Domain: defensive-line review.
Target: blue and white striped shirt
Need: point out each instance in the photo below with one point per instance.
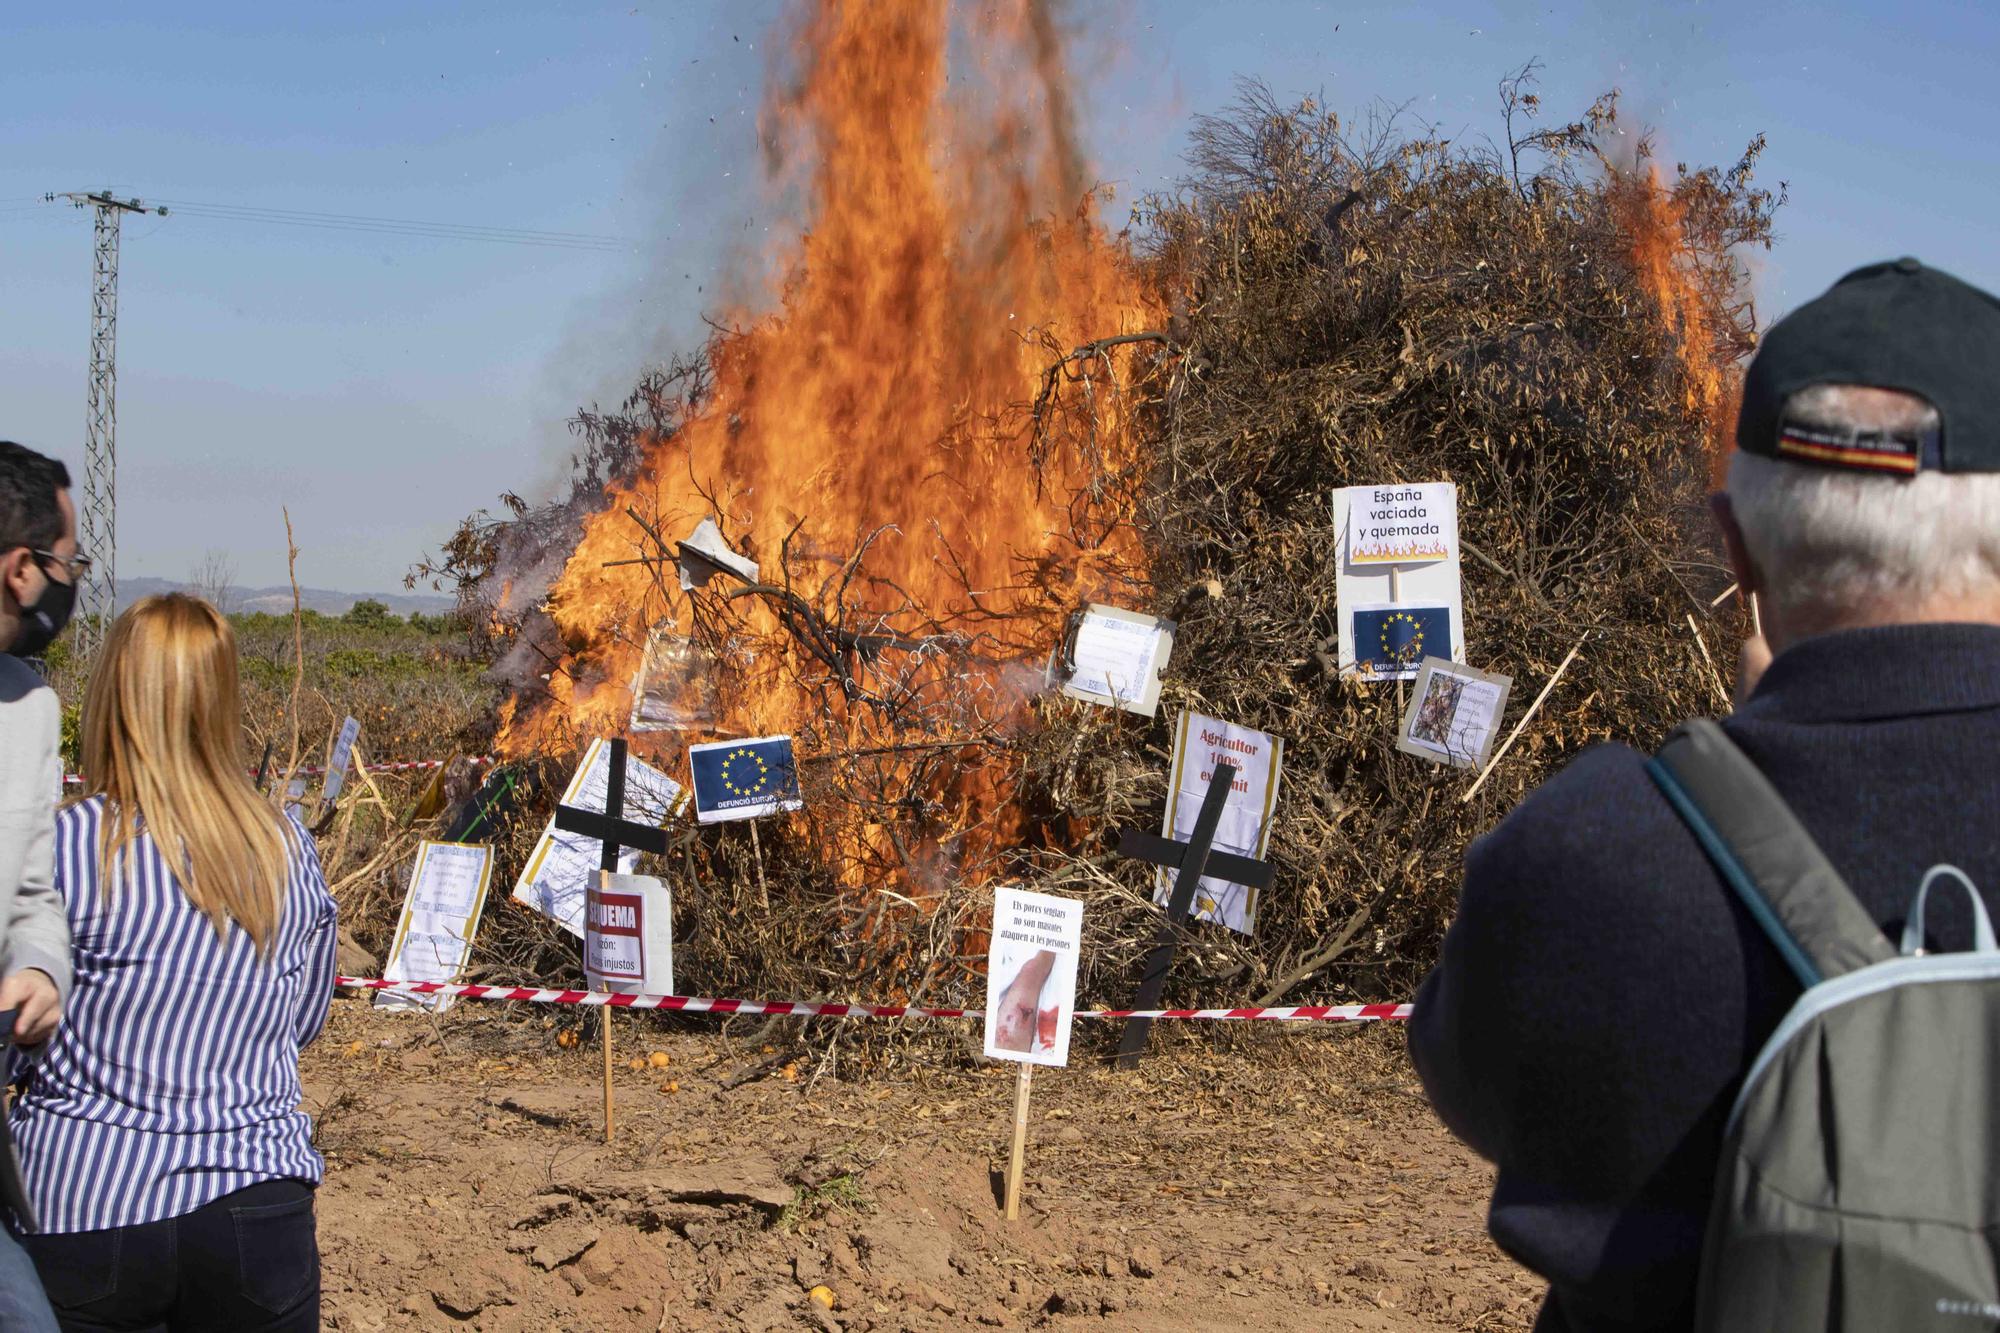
(174, 1078)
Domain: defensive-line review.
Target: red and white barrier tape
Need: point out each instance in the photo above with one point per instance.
(1297, 1013)
(314, 770)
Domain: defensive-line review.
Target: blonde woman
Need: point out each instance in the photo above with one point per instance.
(168, 1164)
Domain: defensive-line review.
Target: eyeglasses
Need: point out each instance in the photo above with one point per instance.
(77, 566)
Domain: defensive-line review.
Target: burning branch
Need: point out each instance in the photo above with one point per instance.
(1074, 368)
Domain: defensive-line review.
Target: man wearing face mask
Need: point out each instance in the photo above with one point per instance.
(39, 567)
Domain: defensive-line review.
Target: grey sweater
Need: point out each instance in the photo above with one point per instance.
(34, 932)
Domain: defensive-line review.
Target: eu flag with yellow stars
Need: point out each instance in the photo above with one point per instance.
(744, 779)
(1391, 640)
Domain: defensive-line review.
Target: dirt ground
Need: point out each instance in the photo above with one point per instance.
(1254, 1179)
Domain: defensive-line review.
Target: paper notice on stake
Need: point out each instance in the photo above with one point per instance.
(1117, 658)
(336, 767)
(1453, 713)
(1200, 742)
(448, 887)
(1385, 566)
(628, 942)
(564, 866)
(1402, 525)
(744, 779)
(1031, 976)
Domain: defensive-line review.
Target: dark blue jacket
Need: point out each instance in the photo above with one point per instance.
(1602, 991)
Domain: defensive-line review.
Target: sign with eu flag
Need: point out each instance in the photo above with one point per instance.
(744, 779)
(1391, 639)
(1397, 571)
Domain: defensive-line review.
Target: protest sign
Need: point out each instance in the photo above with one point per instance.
(1397, 571)
(441, 911)
(1116, 659)
(628, 942)
(563, 867)
(1189, 861)
(1031, 976)
(1030, 998)
(1201, 742)
(1454, 713)
(1402, 525)
(744, 779)
(336, 765)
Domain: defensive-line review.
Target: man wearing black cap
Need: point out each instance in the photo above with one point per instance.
(1602, 992)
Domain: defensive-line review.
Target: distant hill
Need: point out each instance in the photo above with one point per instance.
(278, 601)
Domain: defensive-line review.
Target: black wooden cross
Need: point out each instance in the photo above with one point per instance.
(1191, 860)
(611, 826)
(506, 788)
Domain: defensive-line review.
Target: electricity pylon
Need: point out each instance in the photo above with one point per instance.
(97, 599)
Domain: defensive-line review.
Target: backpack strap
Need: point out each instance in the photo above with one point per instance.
(1784, 879)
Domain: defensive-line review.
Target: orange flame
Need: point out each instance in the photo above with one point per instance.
(952, 255)
(1655, 223)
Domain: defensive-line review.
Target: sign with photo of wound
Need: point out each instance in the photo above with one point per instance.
(1031, 976)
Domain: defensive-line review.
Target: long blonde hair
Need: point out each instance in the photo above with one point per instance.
(163, 743)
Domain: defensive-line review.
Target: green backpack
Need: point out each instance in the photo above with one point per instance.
(1859, 1183)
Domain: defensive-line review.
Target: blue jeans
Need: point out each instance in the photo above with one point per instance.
(23, 1308)
(246, 1263)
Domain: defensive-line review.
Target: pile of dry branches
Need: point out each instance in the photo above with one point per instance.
(1398, 308)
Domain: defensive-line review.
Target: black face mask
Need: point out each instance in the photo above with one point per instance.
(44, 620)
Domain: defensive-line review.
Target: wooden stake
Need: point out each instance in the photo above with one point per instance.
(1018, 1160)
(605, 1029)
(1395, 595)
(757, 851)
(1526, 718)
(1715, 677)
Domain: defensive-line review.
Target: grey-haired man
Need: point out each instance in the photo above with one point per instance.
(1602, 992)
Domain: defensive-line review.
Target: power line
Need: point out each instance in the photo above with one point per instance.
(406, 232)
(409, 222)
(409, 227)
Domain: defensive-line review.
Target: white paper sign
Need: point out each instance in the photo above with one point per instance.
(1365, 577)
(564, 866)
(1117, 659)
(447, 891)
(628, 942)
(1200, 742)
(1454, 714)
(1031, 976)
(336, 767)
(1402, 525)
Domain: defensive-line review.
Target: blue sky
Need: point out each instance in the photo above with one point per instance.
(382, 386)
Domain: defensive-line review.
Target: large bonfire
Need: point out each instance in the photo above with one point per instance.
(972, 409)
(874, 444)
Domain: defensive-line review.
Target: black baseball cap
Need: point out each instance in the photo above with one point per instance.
(1893, 325)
